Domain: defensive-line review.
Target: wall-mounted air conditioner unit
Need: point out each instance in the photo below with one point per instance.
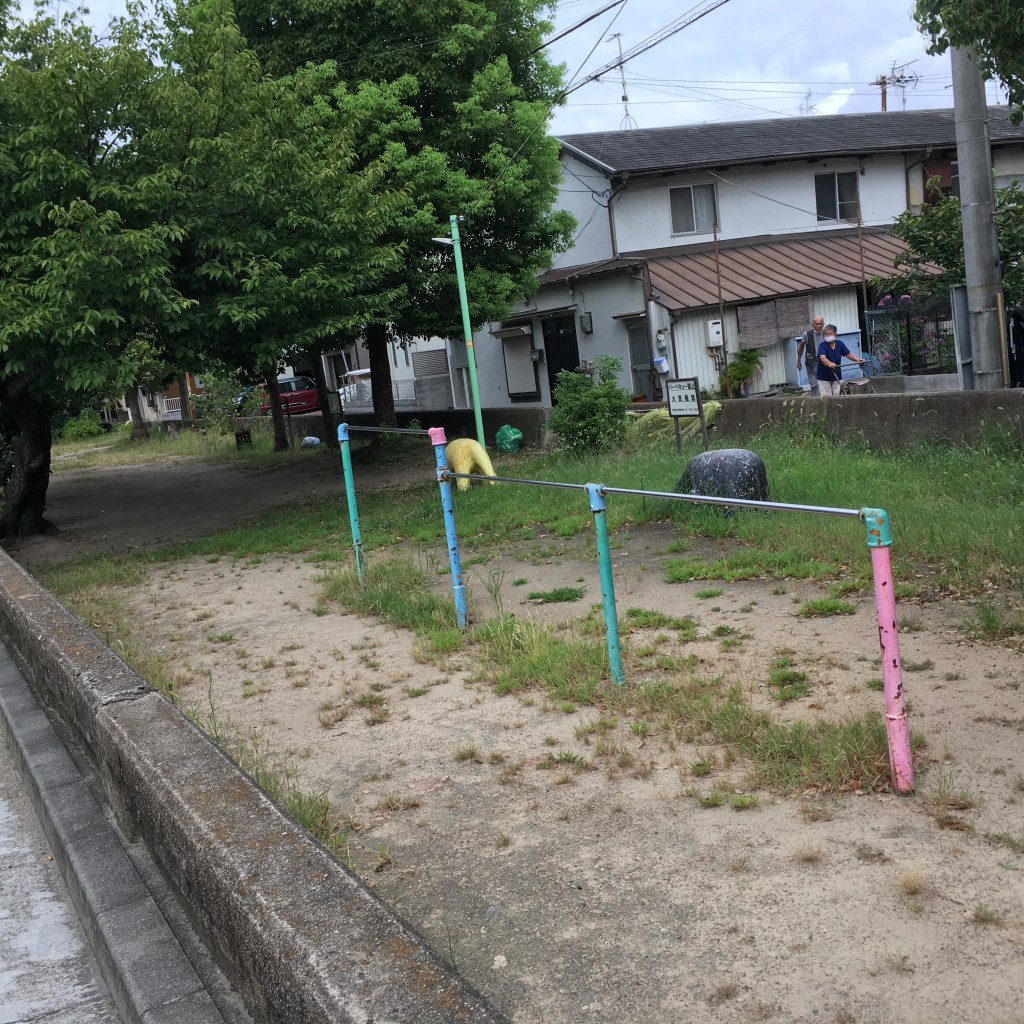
(714, 328)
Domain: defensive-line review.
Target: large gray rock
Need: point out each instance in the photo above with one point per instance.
(726, 473)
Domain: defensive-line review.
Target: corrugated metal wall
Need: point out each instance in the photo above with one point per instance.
(837, 305)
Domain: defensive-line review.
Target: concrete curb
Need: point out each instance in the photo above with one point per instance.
(149, 978)
(301, 938)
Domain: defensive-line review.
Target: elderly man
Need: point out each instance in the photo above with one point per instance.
(807, 352)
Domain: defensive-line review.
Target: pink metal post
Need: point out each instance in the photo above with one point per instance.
(901, 762)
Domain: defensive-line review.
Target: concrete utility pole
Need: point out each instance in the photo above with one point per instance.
(977, 214)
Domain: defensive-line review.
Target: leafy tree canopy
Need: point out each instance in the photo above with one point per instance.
(155, 184)
(469, 97)
(934, 259)
(993, 29)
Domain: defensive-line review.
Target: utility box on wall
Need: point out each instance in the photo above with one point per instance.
(714, 328)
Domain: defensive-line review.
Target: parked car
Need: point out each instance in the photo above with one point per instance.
(298, 394)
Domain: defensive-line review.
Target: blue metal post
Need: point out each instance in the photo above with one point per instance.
(604, 564)
(350, 497)
(437, 439)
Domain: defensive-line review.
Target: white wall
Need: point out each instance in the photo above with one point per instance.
(583, 193)
(1008, 165)
(693, 358)
(756, 201)
(602, 297)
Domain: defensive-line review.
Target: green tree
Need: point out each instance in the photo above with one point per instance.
(934, 258)
(993, 29)
(466, 98)
(153, 183)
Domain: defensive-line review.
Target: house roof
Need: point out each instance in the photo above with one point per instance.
(693, 146)
(779, 267)
(686, 278)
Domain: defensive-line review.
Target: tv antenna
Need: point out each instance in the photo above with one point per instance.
(627, 117)
(807, 107)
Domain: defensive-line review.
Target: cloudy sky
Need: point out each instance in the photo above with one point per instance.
(747, 59)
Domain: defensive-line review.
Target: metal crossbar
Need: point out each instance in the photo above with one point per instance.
(698, 499)
(387, 430)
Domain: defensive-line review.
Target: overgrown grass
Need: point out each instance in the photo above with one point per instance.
(928, 491)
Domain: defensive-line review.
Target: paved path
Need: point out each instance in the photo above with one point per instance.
(47, 973)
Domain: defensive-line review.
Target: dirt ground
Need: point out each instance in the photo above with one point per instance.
(603, 891)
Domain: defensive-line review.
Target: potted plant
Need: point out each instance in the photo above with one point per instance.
(736, 377)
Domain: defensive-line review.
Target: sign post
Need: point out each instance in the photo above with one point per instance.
(684, 400)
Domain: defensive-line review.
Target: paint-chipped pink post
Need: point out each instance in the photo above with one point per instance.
(901, 763)
(436, 435)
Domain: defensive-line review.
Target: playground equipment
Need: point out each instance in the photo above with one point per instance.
(879, 541)
(466, 456)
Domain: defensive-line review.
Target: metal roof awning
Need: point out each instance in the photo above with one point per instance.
(513, 331)
(766, 269)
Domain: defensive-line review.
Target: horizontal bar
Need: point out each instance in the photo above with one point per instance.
(700, 499)
(387, 430)
(513, 480)
(705, 499)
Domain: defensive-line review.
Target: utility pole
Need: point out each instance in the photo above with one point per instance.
(977, 214)
(883, 82)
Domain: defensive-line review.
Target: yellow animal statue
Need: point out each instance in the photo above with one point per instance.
(466, 456)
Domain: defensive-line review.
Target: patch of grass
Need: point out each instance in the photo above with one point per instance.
(992, 623)
(984, 915)
(708, 593)
(563, 757)
(703, 765)
(875, 684)
(913, 881)
(556, 596)
(825, 606)
(468, 752)
(744, 802)
(394, 802)
(713, 799)
(918, 666)
(789, 683)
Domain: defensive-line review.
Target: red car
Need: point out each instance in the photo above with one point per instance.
(298, 394)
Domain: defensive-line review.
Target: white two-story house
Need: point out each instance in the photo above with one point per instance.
(696, 241)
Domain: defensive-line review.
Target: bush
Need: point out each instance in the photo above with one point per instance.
(85, 425)
(590, 414)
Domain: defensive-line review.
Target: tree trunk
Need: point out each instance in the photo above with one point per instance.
(140, 428)
(380, 376)
(25, 493)
(277, 413)
(330, 428)
(186, 405)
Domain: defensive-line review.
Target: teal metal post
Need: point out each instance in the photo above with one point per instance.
(595, 492)
(437, 439)
(467, 329)
(901, 761)
(350, 498)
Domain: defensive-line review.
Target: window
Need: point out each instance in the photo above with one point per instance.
(836, 196)
(693, 208)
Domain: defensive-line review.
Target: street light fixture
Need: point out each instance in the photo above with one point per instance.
(467, 328)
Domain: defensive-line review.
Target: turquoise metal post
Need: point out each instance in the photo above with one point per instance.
(467, 329)
(437, 439)
(595, 492)
(901, 762)
(350, 498)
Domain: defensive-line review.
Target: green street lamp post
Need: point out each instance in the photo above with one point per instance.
(467, 328)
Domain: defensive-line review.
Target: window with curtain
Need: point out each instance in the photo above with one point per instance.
(694, 208)
(836, 196)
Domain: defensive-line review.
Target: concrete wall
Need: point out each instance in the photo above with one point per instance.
(303, 941)
(885, 421)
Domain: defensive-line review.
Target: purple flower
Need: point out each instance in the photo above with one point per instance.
(906, 300)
